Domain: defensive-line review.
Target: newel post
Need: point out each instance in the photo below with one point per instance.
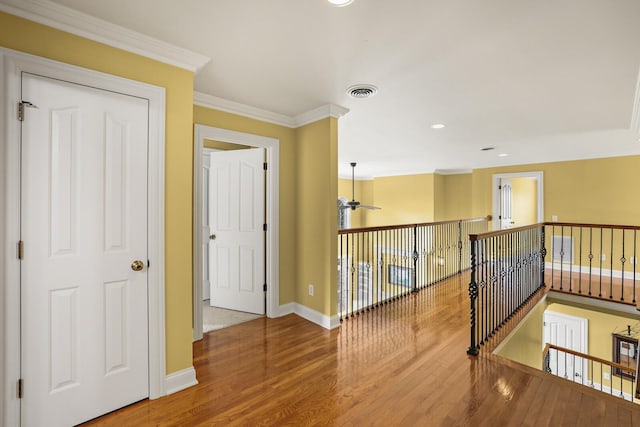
(473, 295)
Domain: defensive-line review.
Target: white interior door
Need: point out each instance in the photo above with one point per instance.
(506, 204)
(84, 324)
(569, 332)
(206, 283)
(236, 209)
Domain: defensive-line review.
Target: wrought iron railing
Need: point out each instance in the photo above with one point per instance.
(379, 264)
(609, 377)
(594, 260)
(507, 269)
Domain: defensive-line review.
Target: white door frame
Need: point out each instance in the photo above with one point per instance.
(538, 176)
(12, 65)
(584, 332)
(272, 148)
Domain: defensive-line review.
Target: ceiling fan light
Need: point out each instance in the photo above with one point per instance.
(340, 3)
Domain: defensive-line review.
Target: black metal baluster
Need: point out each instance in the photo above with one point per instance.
(600, 272)
(623, 260)
(611, 268)
(580, 264)
(635, 261)
(473, 296)
(590, 257)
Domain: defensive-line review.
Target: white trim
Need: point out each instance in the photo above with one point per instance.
(453, 171)
(216, 103)
(286, 309)
(210, 101)
(316, 317)
(180, 380)
(272, 148)
(13, 64)
(595, 271)
(582, 299)
(81, 24)
(329, 110)
(538, 176)
(607, 390)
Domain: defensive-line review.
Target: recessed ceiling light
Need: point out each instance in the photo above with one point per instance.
(502, 155)
(437, 126)
(340, 3)
(362, 91)
(487, 148)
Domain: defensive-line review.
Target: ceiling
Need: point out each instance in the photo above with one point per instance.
(537, 80)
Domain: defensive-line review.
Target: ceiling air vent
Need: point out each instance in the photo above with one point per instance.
(362, 91)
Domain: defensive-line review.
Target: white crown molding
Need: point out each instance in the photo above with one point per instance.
(452, 171)
(329, 110)
(69, 20)
(210, 101)
(217, 103)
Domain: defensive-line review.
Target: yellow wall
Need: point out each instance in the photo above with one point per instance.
(288, 178)
(317, 193)
(36, 39)
(591, 191)
(525, 343)
(525, 201)
(221, 145)
(406, 199)
(455, 201)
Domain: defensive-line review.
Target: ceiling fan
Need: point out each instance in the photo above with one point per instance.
(354, 204)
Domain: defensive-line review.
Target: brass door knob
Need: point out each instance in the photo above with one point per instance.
(137, 265)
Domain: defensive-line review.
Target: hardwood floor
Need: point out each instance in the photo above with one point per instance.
(403, 364)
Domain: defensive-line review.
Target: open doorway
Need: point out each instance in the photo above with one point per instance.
(267, 151)
(518, 199)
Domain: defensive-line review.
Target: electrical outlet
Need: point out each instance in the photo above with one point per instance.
(603, 257)
(606, 375)
(310, 290)
(554, 218)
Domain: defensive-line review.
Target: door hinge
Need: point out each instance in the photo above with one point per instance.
(19, 386)
(264, 165)
(264, 227)
(148, 263)
(20, 249)
(264, 287)
(499, 187)
(21, 106)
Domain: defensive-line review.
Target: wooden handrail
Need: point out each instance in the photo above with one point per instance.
(586, 356)
(487, 235)
(402, 226)
(577, 224)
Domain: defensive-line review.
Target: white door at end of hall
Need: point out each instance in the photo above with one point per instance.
(236, 209)
(568, 332)
(506, 204)
(84, 325)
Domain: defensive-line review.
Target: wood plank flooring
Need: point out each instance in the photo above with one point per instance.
(403, 364)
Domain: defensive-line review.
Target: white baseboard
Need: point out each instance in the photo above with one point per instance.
(310, 315)
(286, 309)
(180, 380)
(595, 271)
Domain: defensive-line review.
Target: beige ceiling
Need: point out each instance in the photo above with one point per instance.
(538, 80)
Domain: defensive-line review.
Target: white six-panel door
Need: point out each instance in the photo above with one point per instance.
(84, 330)
(236, 209)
